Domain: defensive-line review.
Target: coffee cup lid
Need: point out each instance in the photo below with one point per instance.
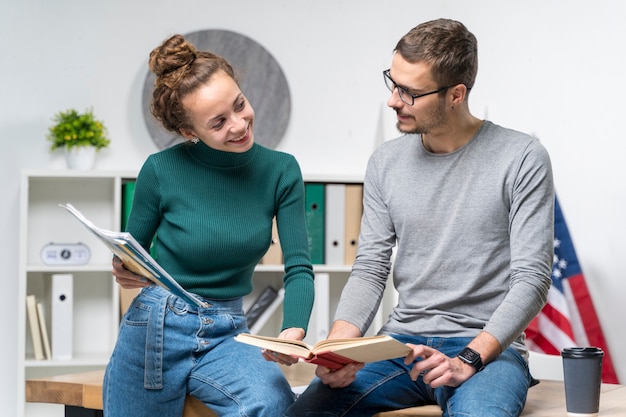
(581, 352)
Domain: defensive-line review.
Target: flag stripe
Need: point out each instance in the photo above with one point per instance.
(569, 317)
(591, 324)
(541, 344)
(558, 301)
(578, 329)
(560, 321)
(555, 334)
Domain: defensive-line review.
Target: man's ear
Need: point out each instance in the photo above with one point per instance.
(459, 94)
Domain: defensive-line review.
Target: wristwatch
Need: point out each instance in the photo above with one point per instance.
(471, 357)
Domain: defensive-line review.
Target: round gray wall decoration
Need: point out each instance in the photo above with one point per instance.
(261, 79)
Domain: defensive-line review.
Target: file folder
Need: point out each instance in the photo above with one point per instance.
(314, 211)
(128, 194)
(354, 212)
(335, 224)
(62, 316)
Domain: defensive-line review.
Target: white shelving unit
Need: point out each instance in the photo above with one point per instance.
(96, 301)
(95, 294)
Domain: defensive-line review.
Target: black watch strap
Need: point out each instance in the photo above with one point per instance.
(471, 357)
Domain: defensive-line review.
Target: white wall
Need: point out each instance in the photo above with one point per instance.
(554, 69)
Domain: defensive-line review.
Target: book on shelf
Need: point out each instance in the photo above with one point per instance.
(333, 353)
(135, 257)
(33, 324)
(266, 311)
(260, 304)
(45, 340)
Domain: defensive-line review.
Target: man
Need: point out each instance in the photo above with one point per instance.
(469, 205)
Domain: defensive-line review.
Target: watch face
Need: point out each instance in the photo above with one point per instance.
(469, 355)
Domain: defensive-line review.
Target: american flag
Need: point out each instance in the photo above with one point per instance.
(569, 317)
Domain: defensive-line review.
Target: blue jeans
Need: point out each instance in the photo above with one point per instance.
(498, 390)
(168, 348)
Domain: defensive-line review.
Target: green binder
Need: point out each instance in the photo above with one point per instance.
(128, 192)
(314, 200)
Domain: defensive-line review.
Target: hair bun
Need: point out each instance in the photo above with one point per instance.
(174, 54)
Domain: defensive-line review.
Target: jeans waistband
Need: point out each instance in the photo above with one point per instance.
(153, 359)
(234, 305)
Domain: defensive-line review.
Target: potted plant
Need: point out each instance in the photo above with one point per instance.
(80, 135)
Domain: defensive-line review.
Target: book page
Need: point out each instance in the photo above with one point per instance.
(334, 344)
(287, 347)
(368, 349)
(360, 349)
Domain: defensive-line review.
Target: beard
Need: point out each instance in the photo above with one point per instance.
(434, 119)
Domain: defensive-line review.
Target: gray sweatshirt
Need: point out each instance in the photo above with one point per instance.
(474, 234)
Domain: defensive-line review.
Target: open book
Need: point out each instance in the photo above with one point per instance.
(333, 353)
(135, 257)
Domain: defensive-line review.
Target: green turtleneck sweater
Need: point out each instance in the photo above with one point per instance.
(212, 212)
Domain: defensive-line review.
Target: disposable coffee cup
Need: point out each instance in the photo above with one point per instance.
(582, 371)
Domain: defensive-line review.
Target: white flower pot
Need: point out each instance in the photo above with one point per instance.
(80, 157)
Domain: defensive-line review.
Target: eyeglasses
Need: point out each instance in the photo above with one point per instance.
(404, 94)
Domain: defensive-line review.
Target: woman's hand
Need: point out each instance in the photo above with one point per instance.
(126, 278)
(292, 333)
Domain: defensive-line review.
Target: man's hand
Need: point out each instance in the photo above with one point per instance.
(346, 375)
(440, 370)
(338, 378)
(127, 279)
(292, 333)
(437, 369)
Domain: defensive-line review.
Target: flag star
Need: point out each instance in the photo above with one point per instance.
(562, 264)
(557, 243)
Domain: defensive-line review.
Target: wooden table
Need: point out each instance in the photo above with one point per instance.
(544, 400)
(548, 400)
(82, 393)
(78, 392)
(82, 396)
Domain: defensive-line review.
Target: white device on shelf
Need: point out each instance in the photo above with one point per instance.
(65, 254)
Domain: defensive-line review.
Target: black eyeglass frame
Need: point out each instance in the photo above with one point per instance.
(403, 92)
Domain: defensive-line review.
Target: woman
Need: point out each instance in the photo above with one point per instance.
(210, 201)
